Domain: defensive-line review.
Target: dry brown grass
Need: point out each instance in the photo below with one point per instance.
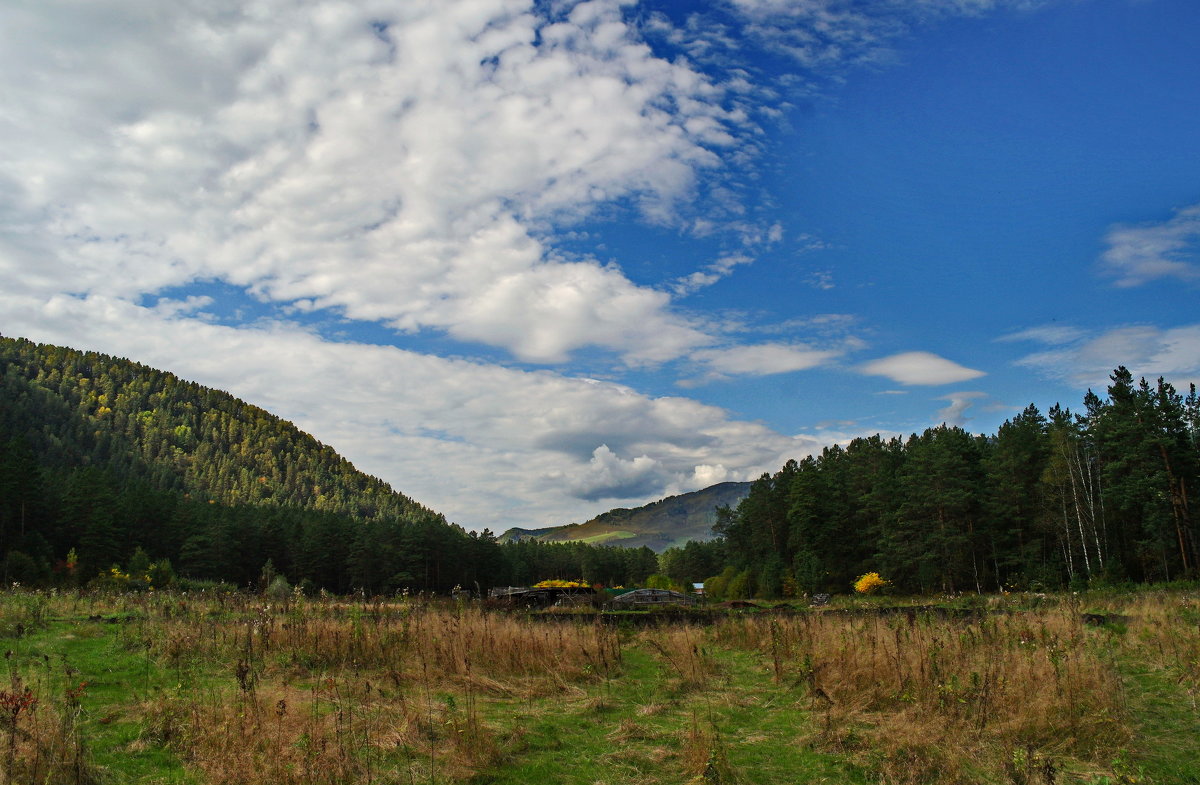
(318, 692)
(334, 732)
(919, 699)
(497, 653)
(684, 651)
(40, 737)
(929, 700)
(703, 755)
(369, 693)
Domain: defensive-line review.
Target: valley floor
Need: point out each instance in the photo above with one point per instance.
(206, 690)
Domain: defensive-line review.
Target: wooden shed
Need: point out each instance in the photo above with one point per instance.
(542, 596)
(650, 597)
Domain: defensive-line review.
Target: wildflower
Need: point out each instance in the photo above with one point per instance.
(16, 702)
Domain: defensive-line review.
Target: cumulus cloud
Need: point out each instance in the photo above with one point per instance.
(1146, 252)
(396, 163)
(704, 475)
(486, 445)
(607, 476)
(923, 368)
(1145, 350)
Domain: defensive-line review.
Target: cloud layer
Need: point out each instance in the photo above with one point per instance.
(395, 162)
(488, 446)
(829, 35)
(410, 171)
(405, 165)
(1085, 359)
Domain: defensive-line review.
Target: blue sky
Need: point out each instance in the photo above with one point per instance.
(531, 261)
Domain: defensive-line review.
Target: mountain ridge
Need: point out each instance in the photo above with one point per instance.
(668, 522)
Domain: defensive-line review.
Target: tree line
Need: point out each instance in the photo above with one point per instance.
(107, 462)
(1103, 495)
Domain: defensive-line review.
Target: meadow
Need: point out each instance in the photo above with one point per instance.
(225, 689)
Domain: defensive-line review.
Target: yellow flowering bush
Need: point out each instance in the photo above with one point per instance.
(556, 583)
(869, 583)
(113, 579)
(140, 575)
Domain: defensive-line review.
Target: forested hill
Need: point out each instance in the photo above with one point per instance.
(82, 408)
(1107, 494)
(109, 468)
(107, 462)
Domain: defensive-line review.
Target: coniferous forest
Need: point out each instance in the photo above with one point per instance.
(107, 462)
(1050, 500)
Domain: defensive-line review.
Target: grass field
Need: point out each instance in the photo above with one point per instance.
(168, 688)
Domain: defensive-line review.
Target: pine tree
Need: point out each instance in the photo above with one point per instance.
(1014, 467)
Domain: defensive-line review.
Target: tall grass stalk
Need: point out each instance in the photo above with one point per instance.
(928, 699)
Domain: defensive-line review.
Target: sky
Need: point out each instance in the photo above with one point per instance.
(530, 261)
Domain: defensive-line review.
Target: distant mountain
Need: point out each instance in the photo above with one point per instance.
(659, 525)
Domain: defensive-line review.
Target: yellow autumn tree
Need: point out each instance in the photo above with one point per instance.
(869, 583)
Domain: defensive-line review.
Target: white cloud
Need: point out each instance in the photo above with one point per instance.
(833, 326)
(710, 274)
(1146, 252)
(1145, 350)
(394, 162)
(1053, 334)
(607, 476)
(832, 34)
(919, 368)
(486, 445)
(821, 279)
(544, 313)
(955, 411)
(820, 33)
(705, 476)
(753, 237)
(763, 359)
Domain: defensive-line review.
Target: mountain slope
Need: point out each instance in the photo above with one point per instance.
(77, 408)
(659, 525)
(109, 466)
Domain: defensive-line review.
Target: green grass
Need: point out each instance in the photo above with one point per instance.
(118, 675)
(678, 708)
(613, 536)
(1168, 720)
(638, 727)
